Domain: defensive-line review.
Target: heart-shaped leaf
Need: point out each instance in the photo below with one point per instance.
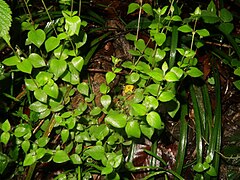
(160, 38)
(11, 61)
(78, 63)
(58, 67)
(36, 60)
(106, 101)
(51, 43)
(60, 156)
(51, 90)
(25, 66)
(37, 37)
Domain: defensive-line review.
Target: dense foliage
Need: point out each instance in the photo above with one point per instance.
(53, 115)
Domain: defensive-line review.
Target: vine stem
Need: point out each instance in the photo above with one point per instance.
(44, 5)
(30, 15)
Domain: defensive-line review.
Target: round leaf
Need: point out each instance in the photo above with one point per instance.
(60, 156)
(185, 28)
(83, 88)
(154, 120)
(106, 101)
(150, 102)
(76, 159)
(132, 129)
(38, 106)
(138, 109)
(166, 96)
(160, 38)
(116, 120)
(96, 152)
(40, 95)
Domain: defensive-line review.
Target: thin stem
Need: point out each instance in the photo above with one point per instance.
(49, 16)
(30, 15)
(139, 19)
(79, 7)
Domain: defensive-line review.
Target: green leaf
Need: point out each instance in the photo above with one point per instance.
(106, 101)
(147, 130)
(134, 77)
(130, 37)
(4, 160)
(160, 55)
(160, 38)
(171, 77)
(185, 28)
(20, 131)
(78, 63)
(202, 32)
(110, 77)
(38, 106)
(73, 25)
(225, 15)
(237, 84)
(76, 159)
(96, 152)
(40, 95)
(36, 60)
(177, 71)
(140, 45)
(37, 37)
(25, 66)
(25, 146)
(40, 152)
(198, 167)
(209, 17)
(194, 72)
(150, 102)
(164, 67)
(211, 171)
(60, 157)
(6, 126)
(64, 135)
(148, 9)
(153, 89)
(104, 89)
(95, 111)
(237, 71)
(212, 7)
(166, 96)
(116, 119)
(43, 78)
(29, 159)
(83, 88)
(51, 43)
(107, 170)
(154, 120)
(132, 129)
(6, 19)
(51, 90)
(138, 109)
(42, 141)
(156, 74)
(227, 28)
(11, 61)
(5, 136)
(58, 67)
(132, 7)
